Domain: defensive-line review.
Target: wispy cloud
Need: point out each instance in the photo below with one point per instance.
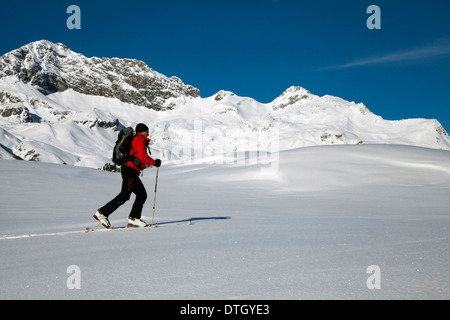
(432, 50)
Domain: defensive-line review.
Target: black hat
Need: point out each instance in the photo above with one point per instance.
(141, 128)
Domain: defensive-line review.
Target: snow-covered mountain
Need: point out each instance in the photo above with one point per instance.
(55, 68)
(59, 106)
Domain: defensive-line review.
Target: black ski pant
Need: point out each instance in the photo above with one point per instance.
(130, 184)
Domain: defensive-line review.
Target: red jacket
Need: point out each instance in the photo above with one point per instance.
(139, 150)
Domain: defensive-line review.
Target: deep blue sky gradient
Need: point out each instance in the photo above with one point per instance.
(259, 48)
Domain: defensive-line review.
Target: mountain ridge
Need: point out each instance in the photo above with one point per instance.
(55, 68)
(59, 106)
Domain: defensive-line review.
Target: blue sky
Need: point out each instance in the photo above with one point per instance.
(259, 48)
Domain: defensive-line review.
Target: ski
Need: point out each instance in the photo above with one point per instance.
(155, 225)
(119, 228)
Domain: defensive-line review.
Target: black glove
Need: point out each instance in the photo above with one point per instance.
(157, 163)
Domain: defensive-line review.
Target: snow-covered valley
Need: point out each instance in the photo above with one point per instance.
(308, 224)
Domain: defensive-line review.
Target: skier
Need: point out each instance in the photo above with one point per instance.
(131, 183)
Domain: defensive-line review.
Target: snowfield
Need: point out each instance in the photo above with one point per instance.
(328, 222)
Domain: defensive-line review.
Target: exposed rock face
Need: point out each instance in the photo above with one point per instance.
(55, 68)
(21, 112)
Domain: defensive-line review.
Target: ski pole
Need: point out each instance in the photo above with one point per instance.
(154, 198)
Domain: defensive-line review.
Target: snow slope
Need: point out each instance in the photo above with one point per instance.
(306, 224)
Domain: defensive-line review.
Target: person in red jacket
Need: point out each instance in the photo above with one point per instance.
(131, 183)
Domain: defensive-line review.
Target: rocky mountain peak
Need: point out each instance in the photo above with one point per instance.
(291, 96)
(54, 68)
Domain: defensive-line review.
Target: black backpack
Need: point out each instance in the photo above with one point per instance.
(121, 152)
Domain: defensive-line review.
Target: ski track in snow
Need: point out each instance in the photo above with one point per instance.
(39, 235)
(97, 229)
